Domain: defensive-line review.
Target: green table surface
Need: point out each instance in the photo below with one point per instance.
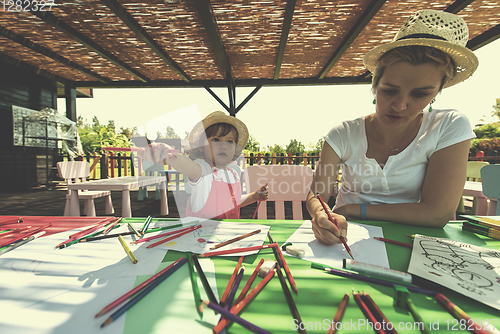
(320, 293)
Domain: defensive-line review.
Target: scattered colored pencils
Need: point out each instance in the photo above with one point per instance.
(204, 281)
(231, 281)
(334, 222)
(339, 314)
(278, 254)
(160, 235)
(144, 292)
(289, 298)
(194, 286)
(376, 311)
(146, 224)
(249, 283)
(234, 317)
(377, 328)
(230, 241)
(394, 242)
(138, 288)
(459, 314)
(237, 250)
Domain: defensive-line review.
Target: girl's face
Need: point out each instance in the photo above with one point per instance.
(405, 90)
(221, 149)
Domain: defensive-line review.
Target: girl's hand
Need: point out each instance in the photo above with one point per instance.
(325, 231)
(262, 193)
(155, 152)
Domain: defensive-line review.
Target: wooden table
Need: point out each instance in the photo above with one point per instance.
(124, 184)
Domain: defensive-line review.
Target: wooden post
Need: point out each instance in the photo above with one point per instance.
(125, 169)
(119, 155)
(305, 159)
(274, 158)
(289, 158)
(104, 166)
(112, 164)
(259, 159)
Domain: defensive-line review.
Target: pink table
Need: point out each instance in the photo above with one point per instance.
(124, 184)
(476, 189)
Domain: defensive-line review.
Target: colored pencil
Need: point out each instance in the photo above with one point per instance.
(112, 225)
(233, 317)
(14, 231)
(339, 314)
(25, 234)
(370, 279)
(258, 203)
(237, 250)
(459, 314)
(231, 281)
(146, 225)
(166, 227)
(394, 242)
(20, 243)
(127, 250)
(11, 221)
(101, 237)
(377, 328)
(135, 290)
(278, 254)
(92, 228)
(204, 281)
(191, 229)
(238, 307)
(234, 289)
(334, 222)
(289, 298)
(132, 228)
(230, 241)
(249, 283)
(143, 292)
(159, 235)
(194, 286)
(492, 233)
(376, 311)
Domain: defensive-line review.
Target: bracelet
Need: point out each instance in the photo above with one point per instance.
(363, 212)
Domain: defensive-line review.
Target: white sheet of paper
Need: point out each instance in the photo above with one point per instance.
(360, 240)
(47, 290)
(467, 269)
(213, 232)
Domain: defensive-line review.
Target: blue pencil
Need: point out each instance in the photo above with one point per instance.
(143, 293)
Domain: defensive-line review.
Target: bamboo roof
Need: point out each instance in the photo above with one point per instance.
(215, 43)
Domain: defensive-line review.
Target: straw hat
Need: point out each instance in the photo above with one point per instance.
(219, 117)
(441, 30)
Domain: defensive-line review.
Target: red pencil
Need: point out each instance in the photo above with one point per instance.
(237, 250)
(249, 283)
(258, 203)
(110, 227)
(394, 242)
(120, 300)
(278, 254)
(333, 221)
(231, 280)
(160, 235)
(368, 314)
(238, 307)
(339, 314)
(191, 229)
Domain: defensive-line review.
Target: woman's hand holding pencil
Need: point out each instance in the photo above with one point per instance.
(328, 231)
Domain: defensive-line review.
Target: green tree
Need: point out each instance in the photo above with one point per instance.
(295, 147)
(252, 145)
(170, 134)
(96, 136)
(276, 149)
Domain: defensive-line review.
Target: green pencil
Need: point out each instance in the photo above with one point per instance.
(146, 224)
(194, 285)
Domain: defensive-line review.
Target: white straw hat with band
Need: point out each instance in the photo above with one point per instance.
(441, 30)
(198, 131)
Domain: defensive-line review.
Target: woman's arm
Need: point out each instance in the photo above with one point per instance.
(441, 191)
(324, 180)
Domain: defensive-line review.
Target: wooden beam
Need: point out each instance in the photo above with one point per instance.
(207, 16)
(142, 34)
(457, 6)
(485, 38)
(364, 19)
(242, 104)
(287, 23)
(216, 97)
(48, 53)
(87, 42)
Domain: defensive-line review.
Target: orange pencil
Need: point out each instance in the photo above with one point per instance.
(194, 228)
(231, 281)
(249, 283)
(238, 238)
(110, 227)
(459, 314)
(238, 307)
(333, 221)
(340, 313)
(237, 250)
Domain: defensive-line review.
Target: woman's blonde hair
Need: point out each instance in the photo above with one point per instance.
(415, 55)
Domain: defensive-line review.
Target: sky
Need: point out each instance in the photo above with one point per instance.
(276, 115)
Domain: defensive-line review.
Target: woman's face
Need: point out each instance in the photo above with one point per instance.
(405, 90)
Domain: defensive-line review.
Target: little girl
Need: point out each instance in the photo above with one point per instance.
(216, 142)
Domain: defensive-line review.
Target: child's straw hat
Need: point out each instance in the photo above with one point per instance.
(219, 117)
(441, 30)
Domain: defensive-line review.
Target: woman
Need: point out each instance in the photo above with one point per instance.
(406, 162)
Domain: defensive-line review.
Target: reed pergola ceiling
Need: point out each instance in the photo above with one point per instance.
(203, 43)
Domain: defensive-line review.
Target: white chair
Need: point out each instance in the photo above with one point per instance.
(79, 171)
(473, 174)
(286, 183)
(490, 176)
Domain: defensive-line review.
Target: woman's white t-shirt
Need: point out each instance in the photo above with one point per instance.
(401, 178)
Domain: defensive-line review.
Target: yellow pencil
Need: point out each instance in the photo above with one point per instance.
(127, 250)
